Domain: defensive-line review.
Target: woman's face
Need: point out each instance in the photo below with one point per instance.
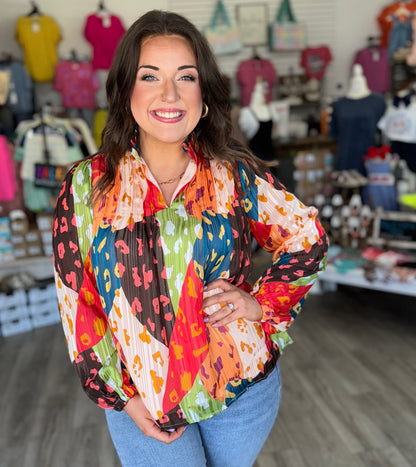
(166, 100)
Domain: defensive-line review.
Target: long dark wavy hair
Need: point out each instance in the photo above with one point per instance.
(212, 133)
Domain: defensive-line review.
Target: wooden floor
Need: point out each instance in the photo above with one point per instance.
(349, 396)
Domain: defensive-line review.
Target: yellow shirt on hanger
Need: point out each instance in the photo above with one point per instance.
(39, 36)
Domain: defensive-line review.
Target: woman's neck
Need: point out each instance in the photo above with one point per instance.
(167, 164)
(160, 156)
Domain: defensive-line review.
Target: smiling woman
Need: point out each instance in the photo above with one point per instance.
(166, 103)
(153, 259)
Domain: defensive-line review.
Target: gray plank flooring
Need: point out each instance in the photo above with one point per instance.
(349, 394)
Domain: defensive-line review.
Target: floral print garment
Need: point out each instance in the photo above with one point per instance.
(130, 275)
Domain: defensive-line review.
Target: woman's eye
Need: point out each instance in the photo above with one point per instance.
(187, 78)
(148, 78)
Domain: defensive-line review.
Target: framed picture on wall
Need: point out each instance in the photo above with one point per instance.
(253, 23)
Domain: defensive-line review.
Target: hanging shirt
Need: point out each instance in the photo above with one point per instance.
(77, 83)
(20, 97)
(399, 122)
(315, 60)
(247, 74)
(39, 37)
(131, 271)
(376, 69)
(8, 185)
(30, 149)
(104, 34)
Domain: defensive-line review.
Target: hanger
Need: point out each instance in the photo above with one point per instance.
(373, 42)
(102, 9)
(35, 10)
(73, 56)
(255, 54)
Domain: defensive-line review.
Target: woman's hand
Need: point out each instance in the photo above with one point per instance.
(229, 303)
(137, 411)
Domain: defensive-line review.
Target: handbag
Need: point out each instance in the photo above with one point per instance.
(223, 35)
(46, 174)
(286, 33)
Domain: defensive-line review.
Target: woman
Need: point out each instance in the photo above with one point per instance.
(159, 219)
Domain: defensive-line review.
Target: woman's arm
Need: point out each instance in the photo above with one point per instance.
(91, 346)
(291, 231)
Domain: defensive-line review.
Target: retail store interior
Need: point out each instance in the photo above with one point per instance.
(340, 125)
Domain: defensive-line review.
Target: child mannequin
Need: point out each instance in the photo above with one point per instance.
(358, 85)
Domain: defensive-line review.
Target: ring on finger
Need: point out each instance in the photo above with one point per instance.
(231, 307)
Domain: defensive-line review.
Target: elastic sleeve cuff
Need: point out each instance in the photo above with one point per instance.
(119, 405)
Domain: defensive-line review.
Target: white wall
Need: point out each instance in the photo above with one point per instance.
(356, 20)
(344, 23)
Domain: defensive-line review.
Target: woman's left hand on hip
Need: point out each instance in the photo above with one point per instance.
(224, 303)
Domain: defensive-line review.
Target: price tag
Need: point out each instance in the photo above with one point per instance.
(106, 21)
(35, 27)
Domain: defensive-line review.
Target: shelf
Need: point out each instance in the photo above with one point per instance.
(287, 147)
(40, 267)
(356, 278)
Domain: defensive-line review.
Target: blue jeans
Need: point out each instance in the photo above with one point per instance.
(231, 438)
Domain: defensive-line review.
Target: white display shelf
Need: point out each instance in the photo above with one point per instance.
(331, 277)
(40, 267)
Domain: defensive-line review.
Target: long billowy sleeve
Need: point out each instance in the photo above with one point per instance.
(91, 345)
(291, 231)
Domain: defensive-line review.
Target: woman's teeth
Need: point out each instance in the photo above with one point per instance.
(168, 114)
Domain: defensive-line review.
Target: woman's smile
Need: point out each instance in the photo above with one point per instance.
(168, 115)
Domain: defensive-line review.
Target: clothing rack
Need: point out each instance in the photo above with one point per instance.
(64, 123)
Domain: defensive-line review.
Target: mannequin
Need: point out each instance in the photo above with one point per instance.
(354, 122)
(358, 85)
(257, 121)
(258, 101)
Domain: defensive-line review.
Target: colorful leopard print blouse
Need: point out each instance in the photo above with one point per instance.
(130, 275)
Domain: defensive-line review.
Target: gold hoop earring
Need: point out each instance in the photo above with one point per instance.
(205, 111)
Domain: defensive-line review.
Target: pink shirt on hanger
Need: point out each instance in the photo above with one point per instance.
(77, 83)
(104, 34)
(8, 184)
(247, 73)
(376, 67)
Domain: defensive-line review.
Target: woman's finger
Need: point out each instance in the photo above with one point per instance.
(225, 311)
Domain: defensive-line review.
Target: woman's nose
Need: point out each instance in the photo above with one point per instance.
(170, 92)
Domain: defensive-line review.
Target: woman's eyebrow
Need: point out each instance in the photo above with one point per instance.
(183, 67)
(149, 66)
